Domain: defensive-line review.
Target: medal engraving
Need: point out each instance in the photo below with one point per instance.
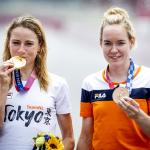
(119, 93)
(18, 62)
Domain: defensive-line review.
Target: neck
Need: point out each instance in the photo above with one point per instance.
(26, 72)
(118, 73)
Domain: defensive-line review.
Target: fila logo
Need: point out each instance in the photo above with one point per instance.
(100, 96)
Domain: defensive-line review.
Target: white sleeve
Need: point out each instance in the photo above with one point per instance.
(63, 99)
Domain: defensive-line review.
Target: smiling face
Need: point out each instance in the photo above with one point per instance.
(116, 45)
(24, 42)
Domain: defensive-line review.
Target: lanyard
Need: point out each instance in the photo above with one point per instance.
(18, 83)
(129, 77)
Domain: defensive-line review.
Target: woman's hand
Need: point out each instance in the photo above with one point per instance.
(86, 135)
(130, 106)
(65, 124)
(5, 79)
(5, 74)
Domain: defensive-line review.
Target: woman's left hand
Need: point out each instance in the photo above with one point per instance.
(130, 106)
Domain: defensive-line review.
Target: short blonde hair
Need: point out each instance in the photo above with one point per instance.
(40, 61)
(118, 16)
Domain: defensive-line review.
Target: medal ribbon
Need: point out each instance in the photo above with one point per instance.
(129, 77)
(18, 83)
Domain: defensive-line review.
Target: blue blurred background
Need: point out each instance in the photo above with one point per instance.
(72, 32)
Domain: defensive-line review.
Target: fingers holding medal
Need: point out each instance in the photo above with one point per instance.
(130, 106)
(15, 62)
(7, 67)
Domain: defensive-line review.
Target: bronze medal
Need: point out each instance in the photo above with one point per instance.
(119, 93)
(18, 62)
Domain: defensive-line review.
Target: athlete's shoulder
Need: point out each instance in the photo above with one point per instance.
(93, 76)
(93, 81)
(145, 69)
(57, 79)
(142, 77)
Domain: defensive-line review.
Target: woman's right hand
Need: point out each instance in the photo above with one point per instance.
(5, 74)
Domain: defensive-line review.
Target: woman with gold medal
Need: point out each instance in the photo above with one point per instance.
(32, 99)
(115, 104)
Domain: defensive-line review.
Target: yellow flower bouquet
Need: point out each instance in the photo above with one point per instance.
(47, 141)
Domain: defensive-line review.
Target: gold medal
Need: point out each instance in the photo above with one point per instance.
(18, 62)
(119, 93)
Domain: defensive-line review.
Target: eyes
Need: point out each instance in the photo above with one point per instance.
(27, 43)
(119, 43)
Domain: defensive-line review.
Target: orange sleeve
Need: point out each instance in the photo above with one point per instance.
(148, 106)
(86, 109)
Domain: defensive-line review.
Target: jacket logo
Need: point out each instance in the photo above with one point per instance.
(9, 95)
(100, 96)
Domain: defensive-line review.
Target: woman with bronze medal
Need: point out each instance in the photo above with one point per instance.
(32, 99)
(115, 101)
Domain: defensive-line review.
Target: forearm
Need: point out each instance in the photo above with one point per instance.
(65, 124)
(86, 136)
(68, 143)
(3, 96)
(5, 81)
(84, 144)
(144, 122)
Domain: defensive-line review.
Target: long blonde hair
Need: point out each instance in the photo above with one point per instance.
(118, 16)
(40, 61)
